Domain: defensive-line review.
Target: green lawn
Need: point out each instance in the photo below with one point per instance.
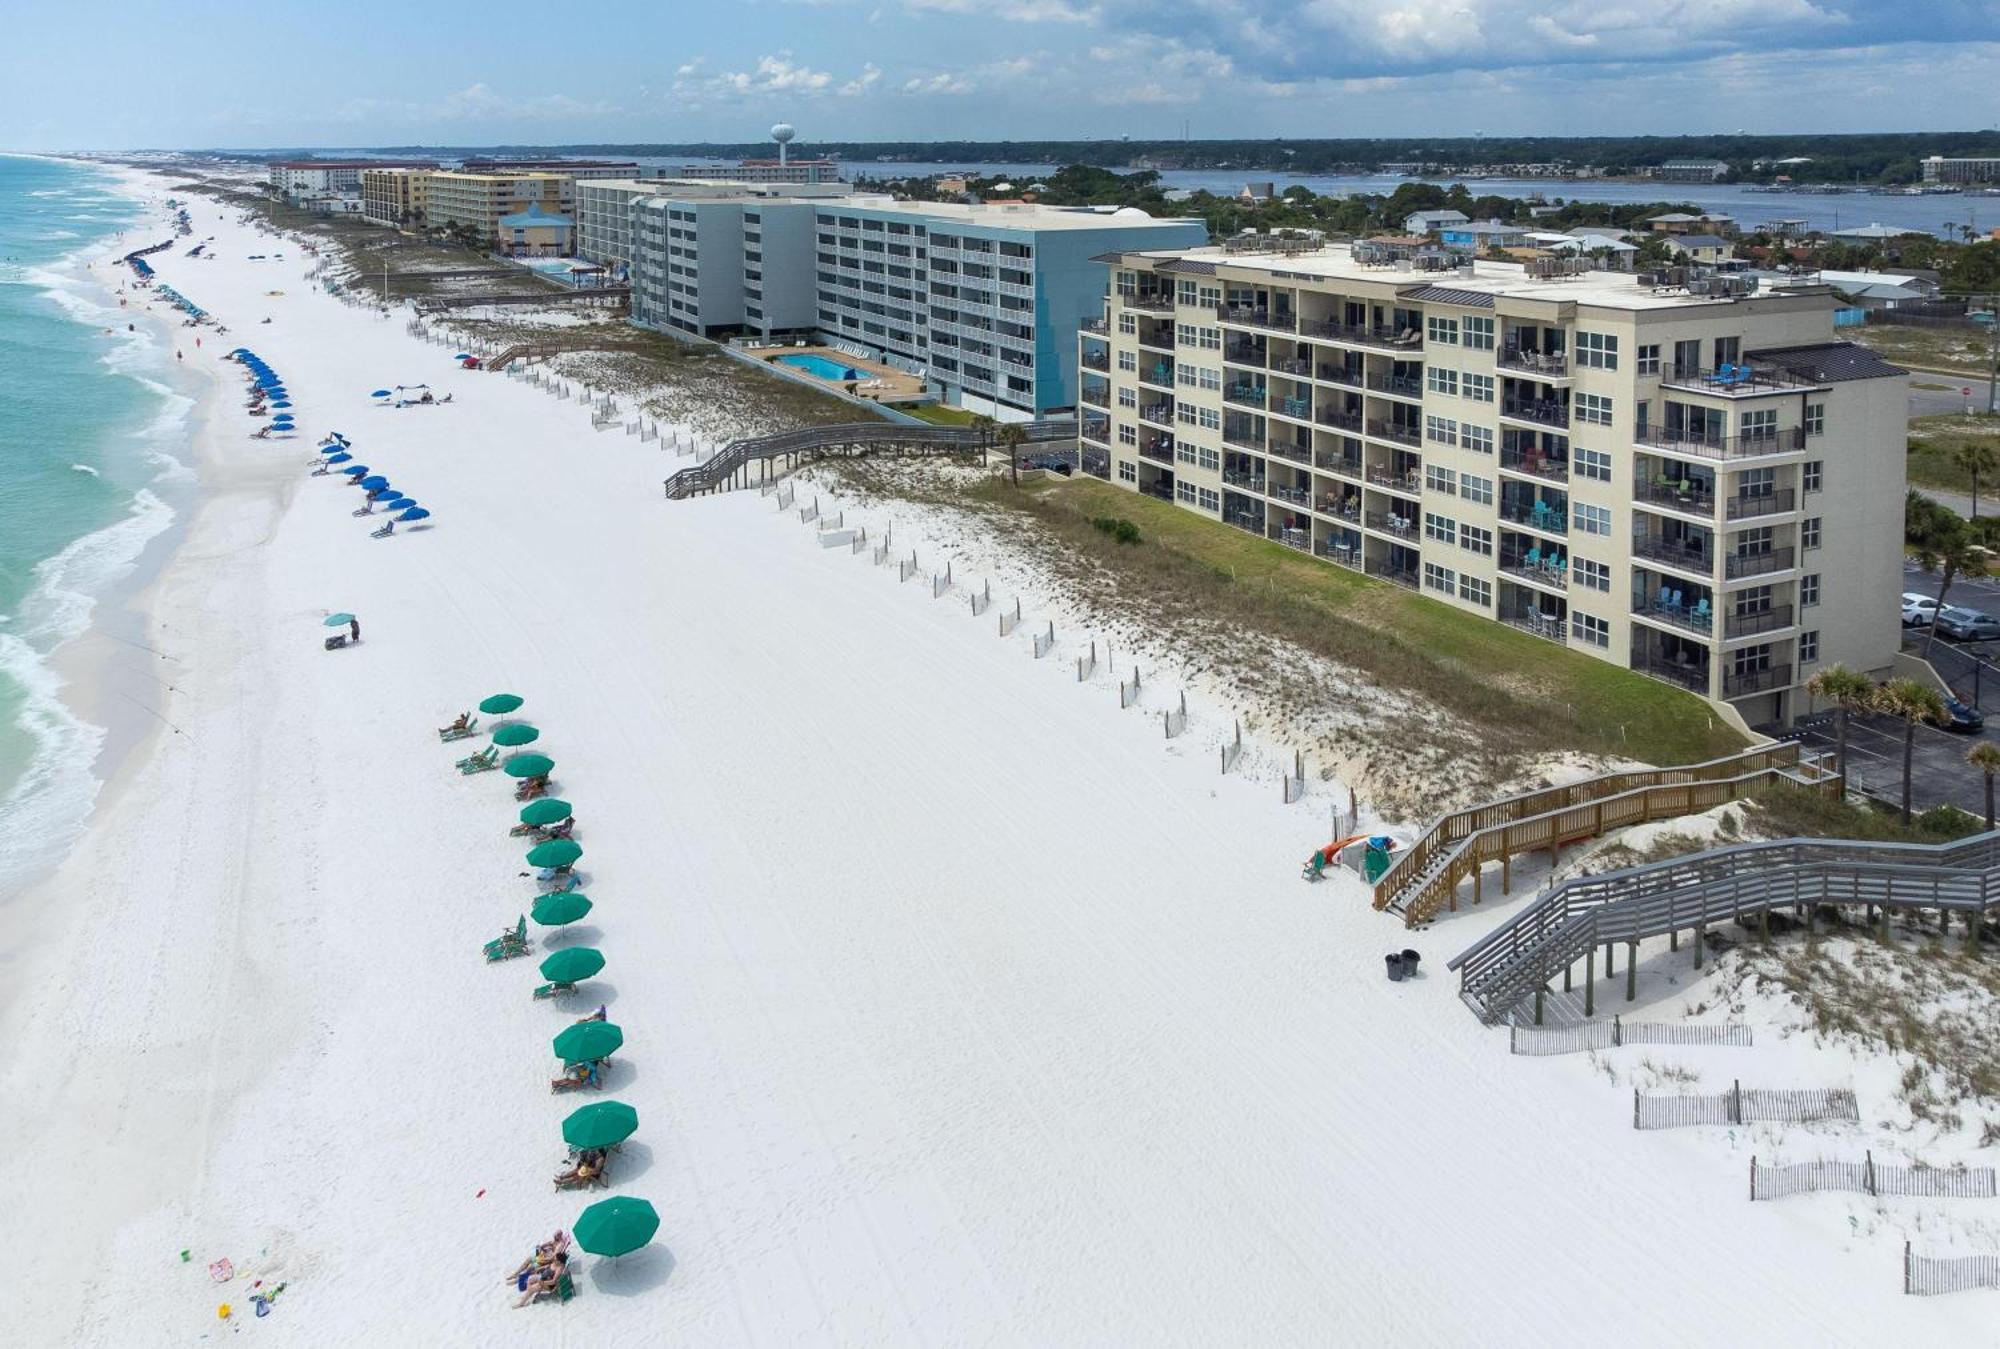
(939, 414)
(1527, 693)
(1932, 441)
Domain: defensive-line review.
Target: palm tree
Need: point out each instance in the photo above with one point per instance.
(1973, 458)
(1011, 435)
(1985, 756)
(1913, 701)
(983, 424)
(1949, 551)
(1848, 691)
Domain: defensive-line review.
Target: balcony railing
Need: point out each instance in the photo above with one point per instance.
(1408, 483)
(1160, 339)
(1096, 327)
(1298, 454)
(1300, 408)
(1688, 557)
(1548, 365)
(1284, 320)
(1160, 414)
(1705, 446)
(1249, 482)
(1338, 463)
(1742, 507)
(1243, 353)
(1156, 376)
(1158, 452)
(1541, 625)
(1340, 508)
(1694, 677)
(1155, 302)
(1697, 618)
(1091, 428)
(1367, 335)
(1760, 564)
(1097, 398)
(1244, 440)
(1096, 465)
(1736, 381)
(1297, 496)
(1757, 621)
(1695, 500)
(1403, 433)
(1296, 366)
(1094, 361)
(1402, 386)
(1744, 682)
(1536, 464)
(1340, 421)
(1340, 374)
(1402, 526)
(1515, 563)
(1541, 411)
(1536, 515)
(1251, 395)
(1383, 569)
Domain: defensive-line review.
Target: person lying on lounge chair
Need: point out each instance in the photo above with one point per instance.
(544, 1256)
(597, 1015)
(464, 722)
(587, 1169)
(544, 1283)
(578, 1075)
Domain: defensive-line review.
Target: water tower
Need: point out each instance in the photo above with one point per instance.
(782, 133)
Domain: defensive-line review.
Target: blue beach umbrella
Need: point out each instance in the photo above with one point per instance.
(414, 513)
(356, 470)
(282, 417)
(335, 448)
(391, 501)
(379, 393)
(375, 482)
(240, 351)
(281, 402)
(338, 458)
(463, 356)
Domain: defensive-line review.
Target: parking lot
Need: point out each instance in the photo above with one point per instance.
(1939, 773)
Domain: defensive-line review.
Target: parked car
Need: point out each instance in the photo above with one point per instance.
(1918, 610)
(1963, 718)
(1967, 625)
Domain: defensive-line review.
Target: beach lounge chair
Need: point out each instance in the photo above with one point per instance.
(1702, 614)
(511, 943)
(388, 528)
(486, 759)
(556, 880)
(564, 1290)
(579, 1077)
(554, 990)
(450, 733)
(530, 788)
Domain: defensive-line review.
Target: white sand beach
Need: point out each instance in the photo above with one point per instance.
(959, 1007)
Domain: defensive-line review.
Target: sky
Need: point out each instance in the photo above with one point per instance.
(150, 75)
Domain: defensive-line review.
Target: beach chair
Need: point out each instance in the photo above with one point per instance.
(481, 762)
(511, 943)
(1702, 615)
(564, 1290)
(530, 788)
(1533, 559)
(447, 734)
(553, 990)
(592, 1079)
(388, 528)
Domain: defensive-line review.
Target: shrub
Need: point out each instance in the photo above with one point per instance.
(1117, 527)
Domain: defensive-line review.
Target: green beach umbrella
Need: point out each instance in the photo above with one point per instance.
(548, 810)
(500, 704)
(557, 852)
(528, 766)
(616, 1226)
(564, 906)
(516, 734)
(600, 1124)
(339, 620)
(588, 1040)
(571, 964)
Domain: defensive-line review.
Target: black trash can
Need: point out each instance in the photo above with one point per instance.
(1395, 962)
(1410, 959)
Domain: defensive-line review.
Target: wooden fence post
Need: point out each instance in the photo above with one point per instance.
(1631, 971)
(1590, 980)
(1635, 1107)
(1868, 1170)
(1753, 1177)
(1736, 1101)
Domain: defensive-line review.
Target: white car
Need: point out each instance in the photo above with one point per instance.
(1918, 610)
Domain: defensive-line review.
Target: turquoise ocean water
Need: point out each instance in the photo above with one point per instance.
(92, 439)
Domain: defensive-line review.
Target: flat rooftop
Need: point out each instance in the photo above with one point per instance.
(1481, 283)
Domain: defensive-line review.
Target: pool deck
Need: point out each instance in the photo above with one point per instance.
(879, 382)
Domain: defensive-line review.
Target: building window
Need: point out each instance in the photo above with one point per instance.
(1478, 439)
(1211, 298)
(1808, 590)
(1128, 360)
(1128, 398)
(1813, 473)
(1477, 490)
(1211, 459)
(1595, 464)
(1184, 491)
(1808, 646)
(1443, 381)
(1439, 578)
(1476, 539)
(1815, 419)
(1760, 425)
(1592, 519)
(1186, 334)
(1593, 408)
(1443, 430)
(1211, 339)
(1649, 359)
(1185, 412)
(1186, 293)
(1128, 434)
(1478, 333)
(1211, 419)
(1590, 575)
(1440, 527)
(1128, 324)
(1597, 351)
(1590, 628)
(1809, 533)
(1441, 480)
(1442, 331)
(1208, 499)
(1127, 470)
(1475, 591)
(1479, 388)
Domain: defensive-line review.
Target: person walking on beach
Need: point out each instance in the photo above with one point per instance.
(354, 629)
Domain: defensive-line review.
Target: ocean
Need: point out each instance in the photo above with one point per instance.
(93, 436)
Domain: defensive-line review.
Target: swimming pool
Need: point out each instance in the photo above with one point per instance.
(819, 366)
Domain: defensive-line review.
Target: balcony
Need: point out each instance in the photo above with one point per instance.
(1096, 327)
(1159, 451)
(1704, 446)
(1401, 432)
(1160, 338)
(1340, 508)
(1689, 557)
(1244, 440)
(1742, 683)
(1402, 526)
(1160, 376)
(1695, 499)
(1385, 570)
(1294, 495)
(1338, 420)
(1540, 411)
(1339, 374)
(1669, 608)
(1742, 507)
(1396, 386)
(1348, 465)
(1300, 409)
(1766, 563)
(1736, 381)
(1095, 428)
(1537, 515)
(1366, 335)
(1095, 464)
(1541, 625)
(1408, 483)
(1296, 366)
(1540, 364)
(1535, 464)
(1153, 302)
(1159, 414)
(1692, 677)
(1532, 567)
(1094, 360)
(1757, 621)
(1249, 395)
(1097, 398)
(1248, 482)
(1244, 353)
(1283, 320)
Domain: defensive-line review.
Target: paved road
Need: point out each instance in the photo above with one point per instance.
(1926, 402)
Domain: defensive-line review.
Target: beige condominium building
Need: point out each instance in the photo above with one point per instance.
(483, 199)
(1674, 472)
(395, 196)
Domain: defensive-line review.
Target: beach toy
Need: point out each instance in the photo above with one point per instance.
(184, 1257)
(222, 1311)
(222, 1271)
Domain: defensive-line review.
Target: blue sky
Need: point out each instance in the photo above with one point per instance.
(368, 72)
